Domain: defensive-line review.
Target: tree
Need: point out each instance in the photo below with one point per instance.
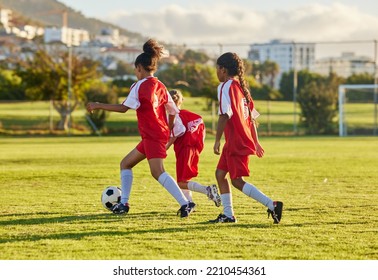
(104, 93)
(194, 79)
(287, 82)
(10, 86)
(362, 78)
(318, 102)
(191, 56)
(266, 74)
(45, 77)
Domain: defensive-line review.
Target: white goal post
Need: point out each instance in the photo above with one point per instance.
(342, 101)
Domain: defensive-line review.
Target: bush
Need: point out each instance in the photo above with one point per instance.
(100, 92)
(318, 102)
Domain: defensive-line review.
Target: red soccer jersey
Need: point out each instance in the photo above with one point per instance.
(237, 133)
(194, 131)
(150, 98)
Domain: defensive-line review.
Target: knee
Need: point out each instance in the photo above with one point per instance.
(124, 165)
(220, 175)
(238, 183)
(156, 174)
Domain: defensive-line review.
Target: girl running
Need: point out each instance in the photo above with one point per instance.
(237, 122)
(151, 100)
(188, 136)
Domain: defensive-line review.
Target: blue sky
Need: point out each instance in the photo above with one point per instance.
(241, 22)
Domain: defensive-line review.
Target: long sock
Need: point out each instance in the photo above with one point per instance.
(227, 204)
(171, 186)
(196, 187)
(126, 182)
(256, 194)
(188, 195)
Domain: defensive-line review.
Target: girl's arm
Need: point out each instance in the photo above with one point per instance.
(91, 106)
(171, 121)
(222, 121)
(170, 142)
(259, 149)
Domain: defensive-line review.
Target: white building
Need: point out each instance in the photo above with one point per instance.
(111, 37)
(346, 65)
(125, 54)
(27, 31)
(68, 36)
(5, 18)
(287, 54)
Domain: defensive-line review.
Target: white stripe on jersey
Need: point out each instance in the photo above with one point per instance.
(224, 98)
(132, 100)
(178, 127)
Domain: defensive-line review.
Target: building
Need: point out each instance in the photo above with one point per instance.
(287, 54)
(346, 65)
(68, 36)
(124, 54)
(111, 38)
(5, 18)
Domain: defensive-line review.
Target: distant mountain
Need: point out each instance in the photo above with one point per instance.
(50, 13)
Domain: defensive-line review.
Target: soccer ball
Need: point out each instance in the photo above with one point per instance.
(110, 197)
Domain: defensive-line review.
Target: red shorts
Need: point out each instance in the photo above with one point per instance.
(235, 165)
(187, 164)
(152, 149)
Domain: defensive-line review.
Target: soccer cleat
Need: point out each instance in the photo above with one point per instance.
(277, 212)
(222, 218)
(185, 210)
(212, 194)
(120, 208)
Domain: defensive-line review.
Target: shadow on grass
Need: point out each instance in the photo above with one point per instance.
(109, 218)
(105, 217)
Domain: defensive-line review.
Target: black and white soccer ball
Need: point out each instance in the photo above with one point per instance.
(110, 197)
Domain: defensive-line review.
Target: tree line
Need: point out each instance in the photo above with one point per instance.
(68, 79)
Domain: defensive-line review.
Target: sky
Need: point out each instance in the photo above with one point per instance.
(226, 25)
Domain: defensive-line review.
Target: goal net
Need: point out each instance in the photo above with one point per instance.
(358, 110)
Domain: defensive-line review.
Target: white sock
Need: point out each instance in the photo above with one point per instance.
(196, 187)
(126, 182)
(188, 195)
(256, 194)
(227, 204)
(171, 186)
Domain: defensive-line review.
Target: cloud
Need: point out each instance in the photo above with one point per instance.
(231, 24)
(227, 23)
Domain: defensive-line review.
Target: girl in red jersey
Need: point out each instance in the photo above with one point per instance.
(151, 100)
(237, 122)
(188, 136)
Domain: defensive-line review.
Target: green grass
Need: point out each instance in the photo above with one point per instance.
(50, 203)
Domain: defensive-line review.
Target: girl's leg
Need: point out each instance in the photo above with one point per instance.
(158, 172)
(253, 192)
(127, 163)
(210, 191)
(184, 188)
(226, 195)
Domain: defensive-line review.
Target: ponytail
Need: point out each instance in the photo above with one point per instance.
(152, 52)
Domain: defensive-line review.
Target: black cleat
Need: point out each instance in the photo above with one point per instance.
(277, 212)
(121, 208)
(222, 218)
(185, 210)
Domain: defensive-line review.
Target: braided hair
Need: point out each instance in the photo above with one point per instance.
(152, 52)
(235, 67)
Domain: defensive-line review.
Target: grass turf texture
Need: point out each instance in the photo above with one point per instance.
(50, 203)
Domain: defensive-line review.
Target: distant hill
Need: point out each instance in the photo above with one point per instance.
(49, 13)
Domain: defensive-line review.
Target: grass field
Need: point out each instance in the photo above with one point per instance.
(50, 203)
